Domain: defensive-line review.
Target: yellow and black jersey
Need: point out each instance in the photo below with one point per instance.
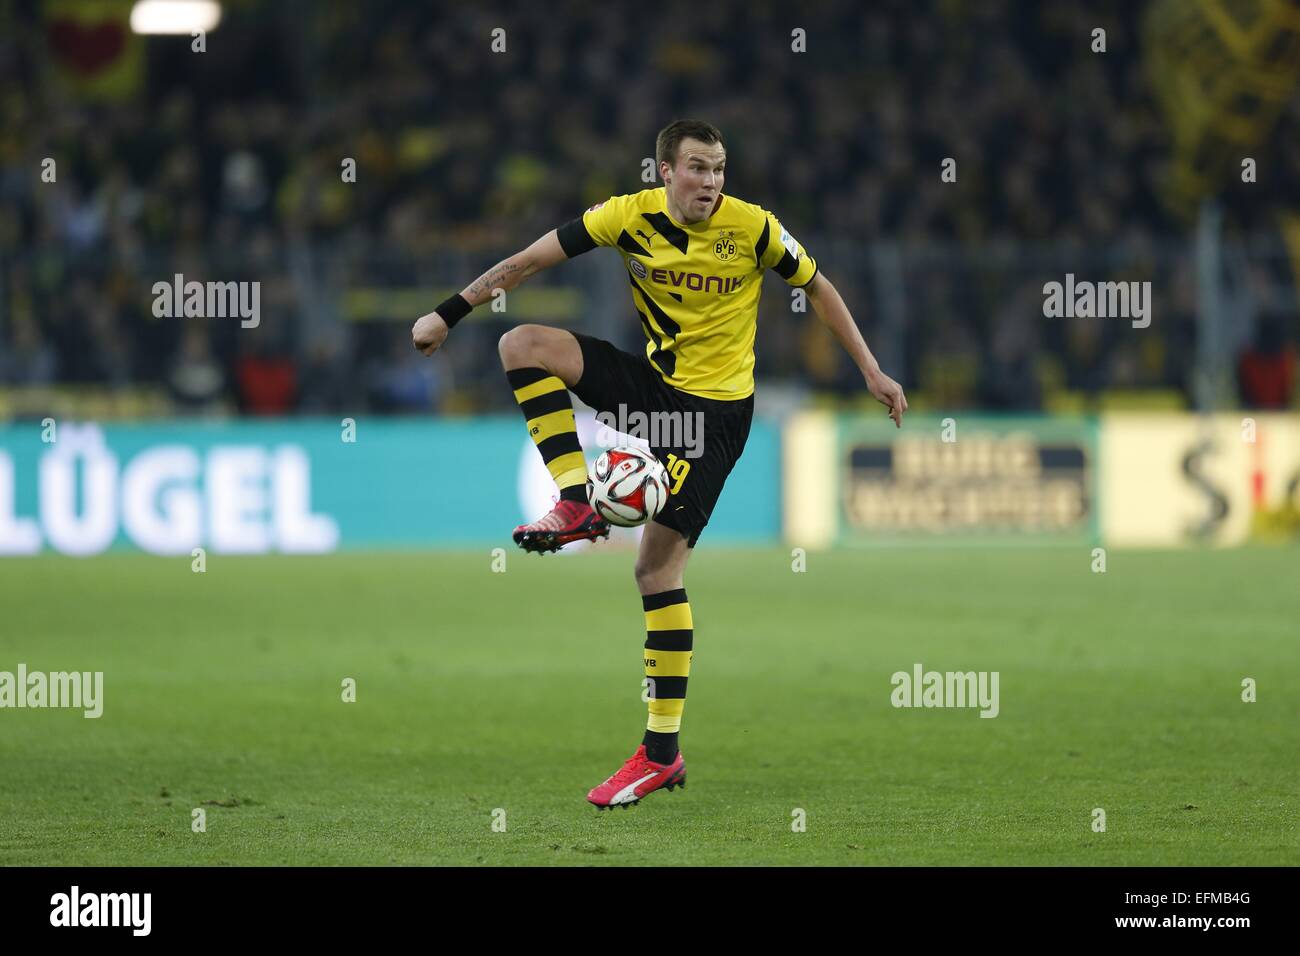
(696, 287)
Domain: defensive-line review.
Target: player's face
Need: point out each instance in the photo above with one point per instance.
(695, 183)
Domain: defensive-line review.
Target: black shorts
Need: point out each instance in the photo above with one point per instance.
(699, 445)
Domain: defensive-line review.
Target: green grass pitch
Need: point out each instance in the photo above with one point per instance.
(520, 690)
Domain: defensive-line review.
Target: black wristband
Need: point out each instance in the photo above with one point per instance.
(454, 309)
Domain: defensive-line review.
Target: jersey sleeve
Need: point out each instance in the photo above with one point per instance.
(776, 249)
(598, 226)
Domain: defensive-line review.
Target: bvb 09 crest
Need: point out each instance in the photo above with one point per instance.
(724, 247)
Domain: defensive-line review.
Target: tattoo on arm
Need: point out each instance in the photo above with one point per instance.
(494, 278)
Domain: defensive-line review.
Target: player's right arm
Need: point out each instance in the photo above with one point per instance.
(430, 331)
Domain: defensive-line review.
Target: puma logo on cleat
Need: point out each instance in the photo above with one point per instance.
(628, 793)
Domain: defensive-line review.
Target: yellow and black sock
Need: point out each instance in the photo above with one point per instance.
(668, 648)
(547, 408)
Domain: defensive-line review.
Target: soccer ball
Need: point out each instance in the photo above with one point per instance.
(627, 486)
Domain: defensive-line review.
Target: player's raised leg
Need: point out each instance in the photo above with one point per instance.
(669, 645)
(541, 363)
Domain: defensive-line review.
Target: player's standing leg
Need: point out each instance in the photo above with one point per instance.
(669, 644)
(660, 567)
(541, 364)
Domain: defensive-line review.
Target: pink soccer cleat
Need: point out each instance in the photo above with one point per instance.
(567, 522)
(639, 776)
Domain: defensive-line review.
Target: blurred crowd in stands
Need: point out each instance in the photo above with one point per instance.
(228, 165)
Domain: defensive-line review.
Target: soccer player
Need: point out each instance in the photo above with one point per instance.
(694, 259)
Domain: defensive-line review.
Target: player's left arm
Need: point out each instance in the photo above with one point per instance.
(830, 308)
(781, 252)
